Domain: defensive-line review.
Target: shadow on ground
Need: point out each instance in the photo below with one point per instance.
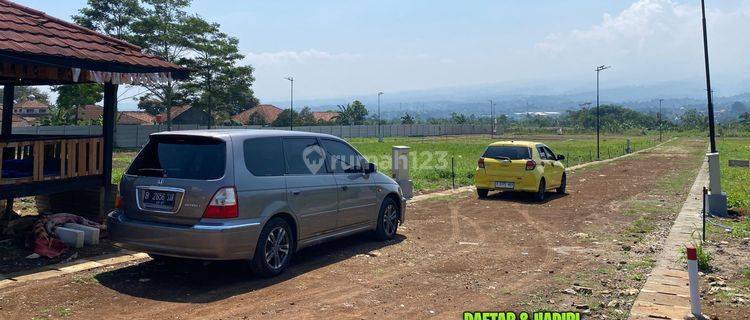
(203, 282)
(522, 197)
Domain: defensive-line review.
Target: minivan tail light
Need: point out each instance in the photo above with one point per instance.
(118, 202)
(223, 205)
(530, 165)
(480, 163)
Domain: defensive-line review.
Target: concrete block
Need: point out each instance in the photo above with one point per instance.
(739, 163)
(71, 237)
(90, 234)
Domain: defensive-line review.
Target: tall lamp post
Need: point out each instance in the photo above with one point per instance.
(380, 132)
(660, 122)
(492, 112)
(717, 200)
(291, 103)
(598, 69)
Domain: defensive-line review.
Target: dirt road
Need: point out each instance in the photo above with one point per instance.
(454, 254)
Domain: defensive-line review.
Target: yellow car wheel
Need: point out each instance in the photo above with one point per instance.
(541, 193)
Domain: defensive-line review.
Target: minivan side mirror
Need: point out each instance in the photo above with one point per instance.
(371, 168)
(560, 157)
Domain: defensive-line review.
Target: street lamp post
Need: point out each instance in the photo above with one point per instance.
(492, 112)
(291, 103)
(660, 122)
(717, 200)
(380, 132)
(598, 69)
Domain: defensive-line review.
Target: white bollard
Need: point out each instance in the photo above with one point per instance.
(695, 298)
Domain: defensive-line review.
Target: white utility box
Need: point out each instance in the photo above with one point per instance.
(400, 169)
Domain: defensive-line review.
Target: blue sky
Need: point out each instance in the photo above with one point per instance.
(345, 48)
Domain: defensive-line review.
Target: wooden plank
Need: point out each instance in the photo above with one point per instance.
(82, 158)
(38, 156)
(92, 156)
(2, 148)
(62, 158)
(72, 159)
(101, 155)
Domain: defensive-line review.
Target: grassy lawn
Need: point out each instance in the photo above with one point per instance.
(735, 179)
(431, 156)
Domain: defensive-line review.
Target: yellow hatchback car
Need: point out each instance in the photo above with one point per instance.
(520, 166)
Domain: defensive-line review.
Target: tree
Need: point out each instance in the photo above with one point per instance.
(73, 96)
(306, 117)
(283, 119)
(691, 119)
(354, 113)
(23, 93)
(256, 119)
(221, 87)
(458, 118)
(165, 30)
(407, 119)
(745, 118)
(112, 17)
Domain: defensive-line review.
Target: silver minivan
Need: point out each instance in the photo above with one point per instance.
(258, 195)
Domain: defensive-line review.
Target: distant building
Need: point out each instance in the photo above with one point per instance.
(89, 112)
(185, 114)
(31, 107)
(135, 117)
(268, 112)
(18, 121)
(326, 116)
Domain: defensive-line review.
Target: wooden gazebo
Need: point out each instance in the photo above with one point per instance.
(36, 49)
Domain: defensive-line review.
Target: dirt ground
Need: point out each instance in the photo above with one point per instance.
(587, 251)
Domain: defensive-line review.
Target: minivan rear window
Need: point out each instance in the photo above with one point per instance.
(507, 152)
(181, 157)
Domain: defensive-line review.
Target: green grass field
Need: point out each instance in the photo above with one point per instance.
(431, 156)
(735, 180)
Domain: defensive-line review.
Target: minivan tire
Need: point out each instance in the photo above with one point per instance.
(388, 220)
(279, 259)
(541, 193)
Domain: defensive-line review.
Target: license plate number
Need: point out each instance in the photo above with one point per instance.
(159, 200)
(504, 185)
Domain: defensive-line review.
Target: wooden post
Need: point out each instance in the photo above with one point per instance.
(7, 131)
(108, 131)
(8, 92)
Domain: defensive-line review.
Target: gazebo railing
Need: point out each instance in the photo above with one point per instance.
(25, 159)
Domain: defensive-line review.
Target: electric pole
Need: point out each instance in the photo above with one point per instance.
(598, 69)
(380, 132)
(291, 104)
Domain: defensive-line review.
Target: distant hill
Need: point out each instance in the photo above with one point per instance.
(510, 99)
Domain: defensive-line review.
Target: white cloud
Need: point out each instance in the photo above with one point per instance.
(654, 36)
(306, 56)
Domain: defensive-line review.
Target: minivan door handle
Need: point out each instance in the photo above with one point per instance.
(296, 192)
(345, 188)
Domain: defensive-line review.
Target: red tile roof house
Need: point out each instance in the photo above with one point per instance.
(31, 108)
(269, 113)
(89, 112)
(18, 121)
(325, 116)
(185, 114)
(135, 117)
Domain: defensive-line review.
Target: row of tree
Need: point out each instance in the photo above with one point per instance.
(220, 83)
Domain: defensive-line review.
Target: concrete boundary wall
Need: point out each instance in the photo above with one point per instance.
(134, 136)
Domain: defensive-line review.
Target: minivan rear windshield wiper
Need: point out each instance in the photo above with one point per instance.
(154, 172)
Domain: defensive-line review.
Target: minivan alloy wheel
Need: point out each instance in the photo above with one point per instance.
(277, 247)
(390, 219)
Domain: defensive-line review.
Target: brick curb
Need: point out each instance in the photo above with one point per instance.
(59, 269)
(666, 294)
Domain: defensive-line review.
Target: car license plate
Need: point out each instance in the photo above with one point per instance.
(504, 185)
(158, 200)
